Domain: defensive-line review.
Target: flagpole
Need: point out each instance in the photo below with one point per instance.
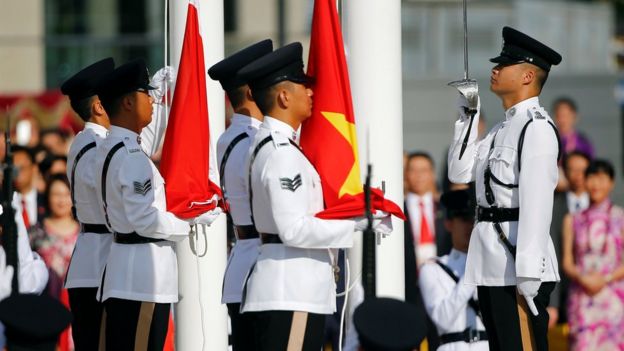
(201, 319)
(375, 51)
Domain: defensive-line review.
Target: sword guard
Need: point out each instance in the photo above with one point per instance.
(469, 89)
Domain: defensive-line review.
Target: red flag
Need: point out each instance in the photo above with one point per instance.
(187, 163)
(328, 137)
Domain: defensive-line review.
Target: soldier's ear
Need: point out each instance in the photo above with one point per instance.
(283, 97)
(127, 102)
(97, 108)
(529, 76)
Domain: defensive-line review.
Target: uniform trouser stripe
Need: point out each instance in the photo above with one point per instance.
(297, 331)
(102, 343)
(144, 324)
(526, 327)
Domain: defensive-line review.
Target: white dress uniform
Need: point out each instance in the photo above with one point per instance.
(489, 262)
(91, 250)
(446, 301)
(236, 178)
(286, 194)
(135, 195)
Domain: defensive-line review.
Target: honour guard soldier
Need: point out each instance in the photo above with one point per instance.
(94, 241)
(232, 155)
(291, 288)
(450, 302)
(385, 324)
(511, 257)
(140, 280)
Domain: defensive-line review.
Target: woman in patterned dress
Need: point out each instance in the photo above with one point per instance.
(592, 257)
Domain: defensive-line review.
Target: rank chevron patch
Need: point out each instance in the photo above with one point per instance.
(291, 184)
(142, 188)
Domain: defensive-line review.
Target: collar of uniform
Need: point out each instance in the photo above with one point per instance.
(96, 128)
(457, 256)
(279, 126)
(245, 121)
(520, 107)
(120, 132)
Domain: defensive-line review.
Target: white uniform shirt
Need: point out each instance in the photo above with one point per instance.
(91, 250)
(135, 193)
(427, 251)
(235, 178)
(446, 302)
(287, 193)
(489, 262)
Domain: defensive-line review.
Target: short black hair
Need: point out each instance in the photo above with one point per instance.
(565, 100)
(237, 96)
(600, 166)
(264, 98)
(424, 154)
(48, 161)
(82, 107)
(113, 106)
(30, 152)
(575, 153)
(542, 77)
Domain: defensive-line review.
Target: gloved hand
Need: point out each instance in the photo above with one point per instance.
(528, 288)
(6, 277)
(158, 81)
(207, 218)
(381, 225)
(462, 106)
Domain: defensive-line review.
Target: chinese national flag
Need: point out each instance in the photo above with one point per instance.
(328, 137)
(187, 164)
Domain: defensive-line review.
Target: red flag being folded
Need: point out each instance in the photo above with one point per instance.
(191, 182)
(328, 137)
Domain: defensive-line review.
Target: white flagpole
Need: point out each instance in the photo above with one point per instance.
(374, 60)
(201, 319)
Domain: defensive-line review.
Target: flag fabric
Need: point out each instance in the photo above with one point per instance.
(188, 163)
(328, 137)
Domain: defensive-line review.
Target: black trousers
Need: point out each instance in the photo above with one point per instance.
(135, 325)
(243, 336)
(276, 330)
(499, 308)
(87, 318)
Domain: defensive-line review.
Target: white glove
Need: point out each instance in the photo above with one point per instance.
(462, 105)
(158, 81)
(381, 225)
(6, 277)
(207, 218)
(528, 288)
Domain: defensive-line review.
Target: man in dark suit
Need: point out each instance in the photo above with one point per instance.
(574, 200)
(425, 235)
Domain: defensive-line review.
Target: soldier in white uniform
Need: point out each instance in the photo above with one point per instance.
(232, 155)
(93, 244)
(451, 303)
(140, 280)
(515, 169)
(291, 288)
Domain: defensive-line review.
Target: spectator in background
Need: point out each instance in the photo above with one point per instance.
(55, 141)
(27, 200)
(565, 111)
(51, 165)
(574, 200)
(593, 246)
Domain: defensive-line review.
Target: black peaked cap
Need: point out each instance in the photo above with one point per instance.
(519, 47)
(82, 84)
(282, 64)
(126, 78)
(385, 324)
(226, 70)
(33, 322)
(458, 203)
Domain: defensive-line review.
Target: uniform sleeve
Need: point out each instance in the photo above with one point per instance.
(152, 135)
(289, 200)
(138, 193)
(443, 306)
(33, 274)
(463, 171)
(537, 182)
